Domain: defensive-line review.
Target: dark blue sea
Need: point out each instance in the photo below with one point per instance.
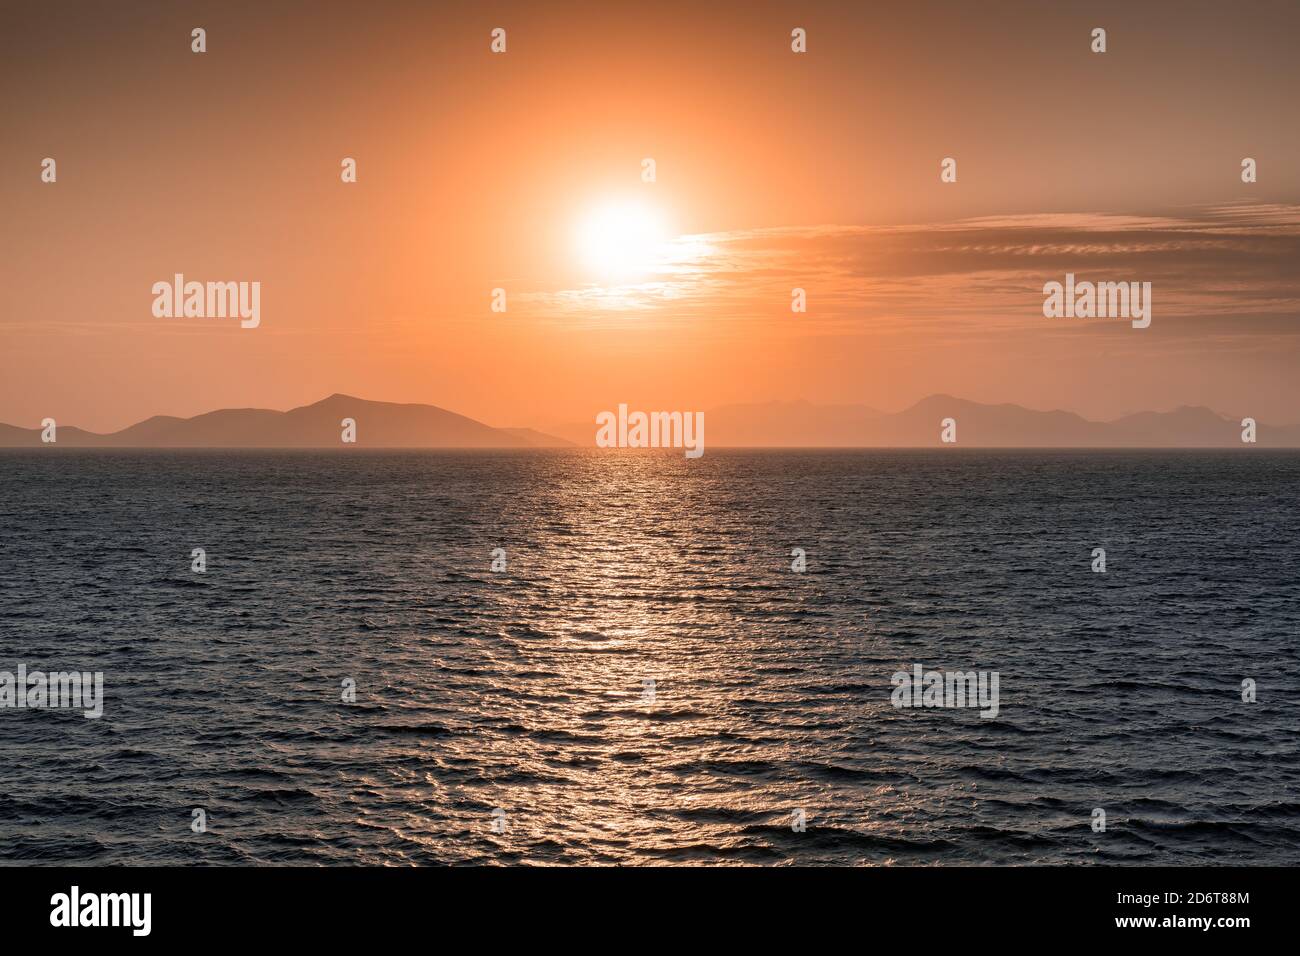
(505, 717)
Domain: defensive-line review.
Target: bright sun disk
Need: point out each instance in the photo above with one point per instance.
(623, 239)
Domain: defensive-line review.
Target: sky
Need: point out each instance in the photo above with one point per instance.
(523, 171)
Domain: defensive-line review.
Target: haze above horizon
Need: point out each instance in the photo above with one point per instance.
(773, 172)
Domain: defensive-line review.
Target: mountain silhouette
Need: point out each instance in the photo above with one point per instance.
(771, 424)
(803, 425)
(378, 425)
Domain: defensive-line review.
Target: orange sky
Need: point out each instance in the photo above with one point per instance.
(818, 170)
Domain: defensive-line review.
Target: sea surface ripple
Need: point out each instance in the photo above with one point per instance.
(524, 690)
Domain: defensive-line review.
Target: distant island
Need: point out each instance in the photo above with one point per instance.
(771, 425)
(378, 425)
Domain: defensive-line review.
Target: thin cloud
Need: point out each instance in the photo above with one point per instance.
(973, 276)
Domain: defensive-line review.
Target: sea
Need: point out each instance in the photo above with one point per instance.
(571, 657)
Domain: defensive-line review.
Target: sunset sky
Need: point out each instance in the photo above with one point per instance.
(774, 170)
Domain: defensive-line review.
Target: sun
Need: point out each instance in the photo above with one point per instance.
(622, 239)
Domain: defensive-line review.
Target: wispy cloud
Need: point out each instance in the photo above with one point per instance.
(1229, 263)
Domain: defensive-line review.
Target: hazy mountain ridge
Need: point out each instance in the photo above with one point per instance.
(378, 425)
(772, 424)
(803, 425)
